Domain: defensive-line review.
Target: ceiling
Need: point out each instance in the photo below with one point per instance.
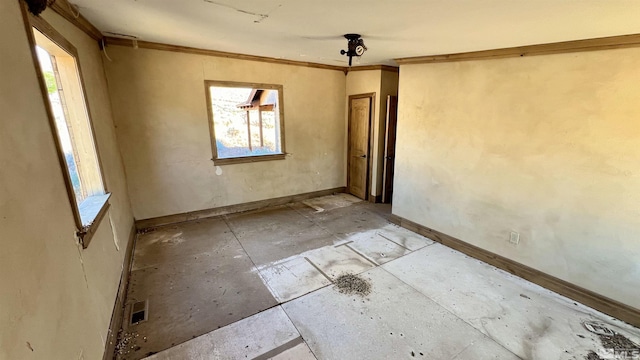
(311, 30)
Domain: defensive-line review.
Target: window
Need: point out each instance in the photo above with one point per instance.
(246, 122)
(61, 75)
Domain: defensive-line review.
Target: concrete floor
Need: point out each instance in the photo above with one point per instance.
(258, 285)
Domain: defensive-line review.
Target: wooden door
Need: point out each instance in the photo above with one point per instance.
(358, 150)
(389, 148)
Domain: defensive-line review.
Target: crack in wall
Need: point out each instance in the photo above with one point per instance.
(259, 15)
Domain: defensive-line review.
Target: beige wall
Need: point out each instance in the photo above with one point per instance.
(547, 146)
(161, 118)
(382, 83)
(56, 297)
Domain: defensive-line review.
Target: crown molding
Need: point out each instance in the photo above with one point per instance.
(65, 9)
(605, 43)
(374, 67)
(197, 51)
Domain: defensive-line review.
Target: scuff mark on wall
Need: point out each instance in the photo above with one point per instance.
(116, 241)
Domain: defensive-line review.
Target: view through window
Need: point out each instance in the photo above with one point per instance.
(247, 121)
(73, 127)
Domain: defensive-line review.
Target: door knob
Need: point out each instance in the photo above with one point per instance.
(363, 156)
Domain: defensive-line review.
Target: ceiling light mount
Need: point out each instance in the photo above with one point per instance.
(355, 46)
(38, 6)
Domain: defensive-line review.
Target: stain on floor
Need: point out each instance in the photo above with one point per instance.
(203, 275)
(267, 284)
(616, 346)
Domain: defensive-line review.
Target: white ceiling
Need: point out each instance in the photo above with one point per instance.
(311, 30)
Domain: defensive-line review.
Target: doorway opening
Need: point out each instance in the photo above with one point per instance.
(389, 149)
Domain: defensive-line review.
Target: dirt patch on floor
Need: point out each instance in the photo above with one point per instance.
(617, 344)
(353, 285)
(593, 356)
(127, 343)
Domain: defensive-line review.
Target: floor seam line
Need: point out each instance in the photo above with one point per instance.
(362, 256)
(402, 246)
(343, 244)
(314, 223)
(209, 332)
(298, 330)
(281, 348)
(461, 351)
(264, 281)
(318, 268)
(452, 313)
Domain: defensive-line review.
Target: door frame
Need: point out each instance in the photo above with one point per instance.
(372, 109)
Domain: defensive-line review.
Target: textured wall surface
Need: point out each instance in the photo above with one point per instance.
(162, 123)
(57, 298)
(547, 146)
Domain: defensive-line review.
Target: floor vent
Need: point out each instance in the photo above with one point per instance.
(139, 312)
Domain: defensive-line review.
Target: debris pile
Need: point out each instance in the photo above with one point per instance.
(593, 356)
(353, 284)
(126, 342)
(617, 344)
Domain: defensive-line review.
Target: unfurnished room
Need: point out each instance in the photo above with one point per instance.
(311, 180)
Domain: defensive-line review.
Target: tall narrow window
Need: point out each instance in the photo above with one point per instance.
(74, 133)
(246, 121)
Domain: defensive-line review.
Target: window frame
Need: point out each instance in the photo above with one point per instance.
(99, 208)
(210, 119)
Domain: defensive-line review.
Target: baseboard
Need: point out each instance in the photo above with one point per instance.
(376, 199)
(230, 209)
(118, 308)
(594, 300)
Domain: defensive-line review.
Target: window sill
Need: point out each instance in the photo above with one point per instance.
(248, 159)
(92, 211)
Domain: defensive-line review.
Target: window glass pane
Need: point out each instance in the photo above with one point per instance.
(246, 121)
(271, 131)
(57, 105)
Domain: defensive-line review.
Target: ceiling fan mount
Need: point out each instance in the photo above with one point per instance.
(38, 6)
(355, 46)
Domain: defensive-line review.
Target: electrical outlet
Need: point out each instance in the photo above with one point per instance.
(514, 238)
